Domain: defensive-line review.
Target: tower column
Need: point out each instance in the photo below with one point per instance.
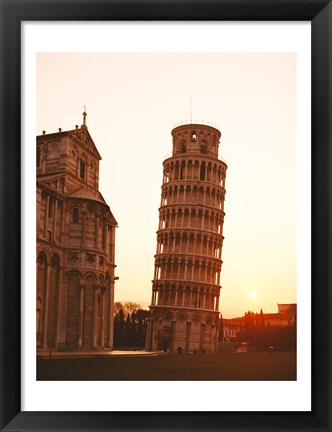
(217, 302)
(191, 297)
(188, 331)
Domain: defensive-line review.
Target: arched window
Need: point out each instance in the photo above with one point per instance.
(82, 169)
(202, 173)
(76, 215)
(181, 172)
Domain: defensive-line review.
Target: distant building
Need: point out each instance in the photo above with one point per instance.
(234, 328)
(186, 283)
(231, 327)
(75, 245)
(285, 316)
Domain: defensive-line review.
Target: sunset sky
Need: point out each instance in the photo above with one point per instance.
(133, 101)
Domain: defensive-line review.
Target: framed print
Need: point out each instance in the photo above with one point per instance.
(264, 71)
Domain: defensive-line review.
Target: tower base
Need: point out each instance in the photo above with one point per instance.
(182, 330)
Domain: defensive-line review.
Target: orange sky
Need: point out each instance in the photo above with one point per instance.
(133, 100)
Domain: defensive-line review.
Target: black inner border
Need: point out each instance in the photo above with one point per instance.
(12, 13)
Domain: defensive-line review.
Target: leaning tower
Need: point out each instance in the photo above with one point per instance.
(186, 283)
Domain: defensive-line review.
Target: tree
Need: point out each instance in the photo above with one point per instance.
(130, 328)
(117, 307)
(130, 308)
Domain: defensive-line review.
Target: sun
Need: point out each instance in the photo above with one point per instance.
(253, 294)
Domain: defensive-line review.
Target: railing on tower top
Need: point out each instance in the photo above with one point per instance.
(196, 122)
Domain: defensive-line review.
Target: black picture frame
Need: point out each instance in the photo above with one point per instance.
(12, 13)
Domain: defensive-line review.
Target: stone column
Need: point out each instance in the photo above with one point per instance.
(95, 316)
(111, 305)
(191, 297)
(173, 322)
(97, 231)
(45, 320)
(217, 327)
(185, 270)
(212, 344)
(84, 213)
(80, 316)
(217, 303)
(152, 298)
(46, 215)
(102, 317)
(188, 336)
(55, 220)
(201, 342)
(104, 228)
(62, 222)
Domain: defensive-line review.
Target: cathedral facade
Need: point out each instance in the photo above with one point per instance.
(75, 245)
(186, 282)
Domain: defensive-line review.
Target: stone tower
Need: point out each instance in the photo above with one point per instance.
(186, 283)
(75, 245)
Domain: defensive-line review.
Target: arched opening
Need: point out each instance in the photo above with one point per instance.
(166, 339)
(76, 215)
(202, 171)
(82, 169)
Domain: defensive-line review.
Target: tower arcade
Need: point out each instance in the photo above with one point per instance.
(186, 282)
